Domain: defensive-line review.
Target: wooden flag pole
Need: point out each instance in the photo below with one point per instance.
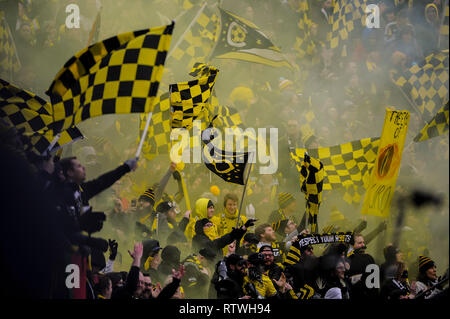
(250, 160)
(144, 134)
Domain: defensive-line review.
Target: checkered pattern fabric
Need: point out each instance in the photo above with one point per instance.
(353, 194)
(188, 98)
(311, 183)
(304, 44)
(444, 31)
(344, 165)
(347, 16)
(426, 84)
(9, 61)
(41, 142)
(123, 80)
(157, 140)
(201, 69)
(197, 42)
(24, 109)
(437, 126)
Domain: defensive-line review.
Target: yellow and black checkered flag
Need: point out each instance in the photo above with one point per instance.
(228, 165)
(437, 126)
(345, 164)
(9, 60)
(347, 16)
(311, 183)
(197, 41)
(240, 39)
(426, 84)
(188, 99)
(304, 44)
(24, 109)
(444, 30)
(117, 76)
(40, 143)
(353, 194)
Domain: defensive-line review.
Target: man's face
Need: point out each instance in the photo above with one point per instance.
(309, 252)
(269, 235)
(292, 127)
(146, 293)
(171, 215)
(291, 207)
(77, 173)
(210, 212)
(359, 242)
(140, 285)
(268, 257)
(231, 206)
(290, 227)
(143, 204)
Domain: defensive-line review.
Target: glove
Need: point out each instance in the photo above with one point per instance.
(132, 163)
(98, 243)
(113, 249)
(176, 175)
(92, 222)
(250, 223)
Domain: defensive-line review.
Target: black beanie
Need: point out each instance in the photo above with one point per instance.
(171, 254)
(200, 224)
(207, 253)
(425, 263)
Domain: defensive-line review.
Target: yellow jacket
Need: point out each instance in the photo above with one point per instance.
(200, 212)
(227, 222)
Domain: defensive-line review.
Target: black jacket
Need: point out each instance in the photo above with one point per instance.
(200, 240)
(127, 291)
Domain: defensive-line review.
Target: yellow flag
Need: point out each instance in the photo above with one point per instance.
(382, 180)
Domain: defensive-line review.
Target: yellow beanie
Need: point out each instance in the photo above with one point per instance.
(242, 93)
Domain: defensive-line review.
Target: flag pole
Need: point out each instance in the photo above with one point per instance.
(187, 29)
(144, 134)
(245, 187)
(54, 141)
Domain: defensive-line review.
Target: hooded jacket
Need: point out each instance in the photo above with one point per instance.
(228, 222)
(201, 208)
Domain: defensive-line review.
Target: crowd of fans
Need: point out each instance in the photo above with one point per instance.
(216, 250)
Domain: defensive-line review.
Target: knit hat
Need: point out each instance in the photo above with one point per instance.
(279, 226)
(284, 199)
(251, 238)
(164, 207)
(200, 224)
(148, 196)
(243, 94)
(171, 254)
(264, 248)
(336, 215)
(207, 253)
(425, 263)
(256, 259)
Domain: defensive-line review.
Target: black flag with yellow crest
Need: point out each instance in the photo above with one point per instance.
(228, 165)
(240, 39)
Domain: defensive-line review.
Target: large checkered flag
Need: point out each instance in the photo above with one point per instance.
(347, 16)
(28, 112)
(437, 126)
(116, 76)
(188, 99)
(311, 181)
(346, 166)
(426, 84)
(9, 60)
